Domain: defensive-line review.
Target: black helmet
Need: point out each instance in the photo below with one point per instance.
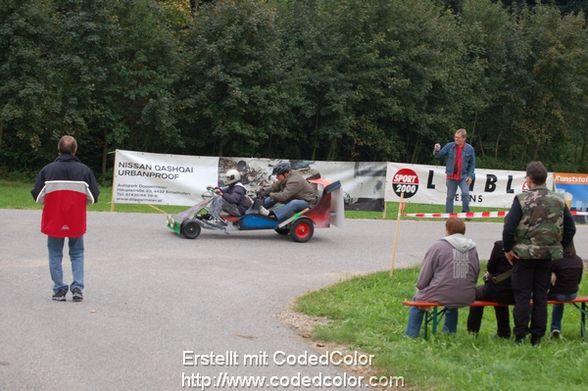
(281, 168)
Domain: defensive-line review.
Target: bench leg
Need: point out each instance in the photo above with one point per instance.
(437, 316)
(433, 318)
(583, 310)
(430, 316)
(583, 320)
(435, 321)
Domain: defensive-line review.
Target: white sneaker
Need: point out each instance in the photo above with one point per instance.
(263, 211)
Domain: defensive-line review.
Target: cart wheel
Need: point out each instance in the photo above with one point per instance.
(190, 229)
(283, 231)
(301, 230)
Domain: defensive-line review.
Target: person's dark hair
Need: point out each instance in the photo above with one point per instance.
(67, 144)
(455, 226)
(537, 172)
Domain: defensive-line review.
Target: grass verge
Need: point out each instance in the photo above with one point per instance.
(366, 313)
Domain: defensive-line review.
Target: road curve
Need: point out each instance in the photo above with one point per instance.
(151, 296)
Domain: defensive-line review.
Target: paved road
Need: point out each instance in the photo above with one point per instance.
(151, 295)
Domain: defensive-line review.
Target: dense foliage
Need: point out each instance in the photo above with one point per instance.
(377, 80)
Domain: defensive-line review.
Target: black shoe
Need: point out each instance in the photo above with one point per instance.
(535, 339)
(60, 295)
(555, 334)
(519, 339)
(77, 294)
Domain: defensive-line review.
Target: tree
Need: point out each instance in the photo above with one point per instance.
(27, 97)
(229, 92)
(115, 66)
(551, 96)
(492, 56)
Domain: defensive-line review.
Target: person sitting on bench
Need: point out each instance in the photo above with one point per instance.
(498, 288)
(566, 275)
(448, 276)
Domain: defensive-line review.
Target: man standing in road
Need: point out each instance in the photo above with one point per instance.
(460, 165)
(64, 186)
(536, 229)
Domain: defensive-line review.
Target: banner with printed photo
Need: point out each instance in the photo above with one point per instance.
(160, 179)
(574, 189)
(426, 184)
(362, 183)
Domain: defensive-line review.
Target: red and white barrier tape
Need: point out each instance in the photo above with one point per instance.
(472, 215)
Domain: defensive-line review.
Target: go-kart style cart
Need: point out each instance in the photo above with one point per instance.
(300, 226)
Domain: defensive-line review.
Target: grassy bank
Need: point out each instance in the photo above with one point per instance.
(17, 195)
(366, 313)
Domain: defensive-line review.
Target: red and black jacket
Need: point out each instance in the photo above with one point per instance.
(64, 187)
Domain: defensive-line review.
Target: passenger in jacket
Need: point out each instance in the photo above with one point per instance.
(497, 287)
(448, 276)
(460, 165)
(64, 186)
(290, 189)
(232, 198)
(566, 275)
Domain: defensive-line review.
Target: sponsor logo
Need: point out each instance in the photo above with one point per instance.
(405, 181)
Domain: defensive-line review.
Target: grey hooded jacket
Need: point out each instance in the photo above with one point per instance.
(449, 272)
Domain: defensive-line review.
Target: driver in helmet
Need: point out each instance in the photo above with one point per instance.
(290, 189)
(232, 198)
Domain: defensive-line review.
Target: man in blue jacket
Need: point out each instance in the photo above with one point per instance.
(460, 165)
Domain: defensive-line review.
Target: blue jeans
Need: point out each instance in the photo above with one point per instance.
(558, 309)
(415, 320)
(287, 209)
(452, 190)
(76, 254)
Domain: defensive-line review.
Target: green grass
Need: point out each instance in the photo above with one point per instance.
(17, 195)
(366, 313)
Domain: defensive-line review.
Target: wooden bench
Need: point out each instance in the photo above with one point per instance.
(434, 315)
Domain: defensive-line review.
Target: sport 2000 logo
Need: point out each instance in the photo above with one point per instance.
(405, 181)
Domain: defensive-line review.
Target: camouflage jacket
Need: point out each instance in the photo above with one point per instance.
(540, 231)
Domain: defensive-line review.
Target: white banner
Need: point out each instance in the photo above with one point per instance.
(426, 185)
(152, 178)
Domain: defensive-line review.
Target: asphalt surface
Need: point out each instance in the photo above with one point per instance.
(151, 296)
